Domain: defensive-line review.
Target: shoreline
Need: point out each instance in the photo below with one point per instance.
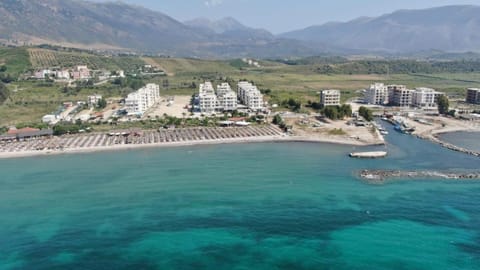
(124, 147)
(434, 138)
(445, 125)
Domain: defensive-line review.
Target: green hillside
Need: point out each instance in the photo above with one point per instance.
(16, 60)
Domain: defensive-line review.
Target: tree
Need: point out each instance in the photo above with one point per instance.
(443, 104)
(331, 112)
(4, 93)
(365, 113)
(337, 112)
(6, 78)
(277, 120)
(102, 103)
(345, 111)
(292, 104)
(266, 91)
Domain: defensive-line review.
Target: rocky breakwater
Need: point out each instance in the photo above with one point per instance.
(381, 176)
(450, 146)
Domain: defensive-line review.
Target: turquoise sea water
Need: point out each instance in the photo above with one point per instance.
(245, 206)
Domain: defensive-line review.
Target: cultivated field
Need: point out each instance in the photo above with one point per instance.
(42, 58)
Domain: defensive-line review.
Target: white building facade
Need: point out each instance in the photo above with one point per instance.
(473, 96)
(226, 98)
(399, 95)
(377, 94)
(93, 100)
(250, 96)
(425, 97)
(62, 74)
(140, 101)
(330, 98)
(207, 98)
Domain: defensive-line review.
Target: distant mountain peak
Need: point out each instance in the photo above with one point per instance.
(448, 28)
(126, 27)
(218, 26)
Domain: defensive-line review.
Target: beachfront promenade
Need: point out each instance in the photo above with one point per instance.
(105, 141)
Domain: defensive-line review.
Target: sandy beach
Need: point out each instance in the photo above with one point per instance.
(95, 142)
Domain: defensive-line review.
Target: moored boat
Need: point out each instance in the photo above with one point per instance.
(376, 154)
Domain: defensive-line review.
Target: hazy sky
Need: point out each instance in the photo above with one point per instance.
(284, 15)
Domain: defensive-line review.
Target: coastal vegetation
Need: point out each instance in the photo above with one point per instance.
(366, 113)
(70, 128)
(292, 104)
(337, 112)
(443, 104)
(278, 120)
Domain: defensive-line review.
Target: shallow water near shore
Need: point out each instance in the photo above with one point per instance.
(468, 140)
(242, 206)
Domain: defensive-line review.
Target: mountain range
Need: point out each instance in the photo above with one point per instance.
(449, 28)
(121, 27)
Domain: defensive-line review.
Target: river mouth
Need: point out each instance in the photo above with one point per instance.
(467, 140)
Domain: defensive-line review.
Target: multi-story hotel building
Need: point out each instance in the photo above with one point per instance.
(377, 94)
(250, 96)
(330, 98)
(207, 98)
(141, 100)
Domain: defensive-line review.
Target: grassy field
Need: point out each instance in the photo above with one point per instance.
(300, 82)
(16, 60)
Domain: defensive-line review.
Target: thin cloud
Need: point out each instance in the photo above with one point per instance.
(213, 3)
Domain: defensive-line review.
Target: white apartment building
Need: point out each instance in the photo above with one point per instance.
(473, 96)
(223, 88)
(250, 96)
(377, 94)
(330, 98)
(140, 101)
(425, 97)
(207, 98)
(254, 100)
(93, 100)
(399, 95)
(226, 98)
(62, 74)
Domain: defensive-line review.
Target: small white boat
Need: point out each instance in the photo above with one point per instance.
(383, 132)
(379, 154)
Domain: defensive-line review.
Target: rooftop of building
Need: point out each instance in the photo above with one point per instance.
(331, 92)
